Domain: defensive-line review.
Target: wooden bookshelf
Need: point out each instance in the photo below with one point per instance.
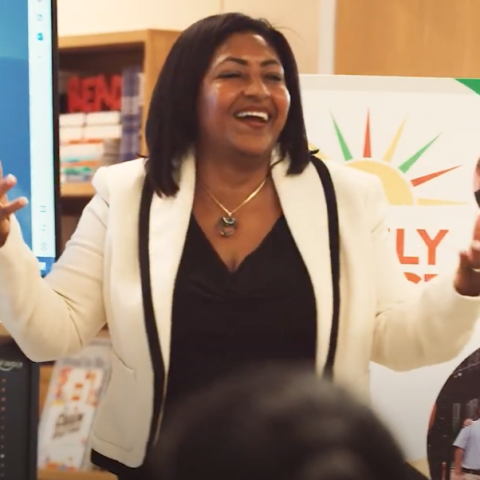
(112, 51)
(76, 190)
(108, 40)
(58, 475)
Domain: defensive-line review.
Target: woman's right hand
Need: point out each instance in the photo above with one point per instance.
(8, 208)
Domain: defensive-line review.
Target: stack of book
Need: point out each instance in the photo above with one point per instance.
(88, 141)
(100, 121)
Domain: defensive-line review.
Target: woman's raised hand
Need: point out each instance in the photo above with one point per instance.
(7, 207)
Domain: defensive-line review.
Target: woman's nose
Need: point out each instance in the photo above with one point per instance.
(257, 89)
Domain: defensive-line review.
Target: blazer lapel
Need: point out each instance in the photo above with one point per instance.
(169, 220)
(303, 203)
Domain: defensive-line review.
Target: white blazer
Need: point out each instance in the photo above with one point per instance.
(96, 281)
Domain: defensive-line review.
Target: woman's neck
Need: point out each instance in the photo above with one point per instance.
(231, 172)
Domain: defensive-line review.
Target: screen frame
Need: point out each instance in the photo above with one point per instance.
(35, 367)
(56, 129)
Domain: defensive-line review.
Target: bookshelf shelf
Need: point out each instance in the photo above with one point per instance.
(60, 475)
(114, 39)
(76, 190)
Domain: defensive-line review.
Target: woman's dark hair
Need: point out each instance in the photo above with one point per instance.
(275, 424)
(172, 123)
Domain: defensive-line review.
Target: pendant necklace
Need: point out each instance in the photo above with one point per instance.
(227, 224)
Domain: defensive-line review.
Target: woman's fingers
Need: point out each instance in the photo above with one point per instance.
(6, 184)
(7, 208)
(12, 207)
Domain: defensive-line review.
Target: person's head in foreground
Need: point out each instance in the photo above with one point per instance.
(276, 424)
(230, 90)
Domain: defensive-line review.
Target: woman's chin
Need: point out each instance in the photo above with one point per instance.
(259, 152)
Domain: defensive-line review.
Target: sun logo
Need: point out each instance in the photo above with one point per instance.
(398, 185)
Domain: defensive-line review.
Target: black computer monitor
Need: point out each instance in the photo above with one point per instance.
(19, 413)
(29, 119)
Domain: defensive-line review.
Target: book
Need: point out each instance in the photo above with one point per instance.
(76, 387)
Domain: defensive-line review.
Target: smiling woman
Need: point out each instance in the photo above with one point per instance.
(244, 104)
(244, 100)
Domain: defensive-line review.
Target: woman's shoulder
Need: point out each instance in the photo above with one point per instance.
(358, 191)
(352, 177)
(125, 179)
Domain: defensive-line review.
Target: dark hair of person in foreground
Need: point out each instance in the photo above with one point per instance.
(275, 424)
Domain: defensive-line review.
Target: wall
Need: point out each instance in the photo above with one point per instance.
(298, 20)
(299, 25)
(408, 37)
(365, 37)
(101, 16)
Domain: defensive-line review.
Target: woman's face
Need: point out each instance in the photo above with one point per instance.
(243, 102)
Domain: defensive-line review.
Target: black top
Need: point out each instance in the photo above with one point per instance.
(223, 321)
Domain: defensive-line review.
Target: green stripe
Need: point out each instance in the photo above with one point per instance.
(405, 166)
(471, 83)
(343, 144)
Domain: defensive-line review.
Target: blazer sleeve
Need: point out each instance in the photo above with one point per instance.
(416, 325)
(57, 316)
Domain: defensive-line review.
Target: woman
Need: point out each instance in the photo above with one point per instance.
(221, 250)
(251, 427)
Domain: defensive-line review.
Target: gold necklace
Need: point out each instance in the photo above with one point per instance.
(227, 225)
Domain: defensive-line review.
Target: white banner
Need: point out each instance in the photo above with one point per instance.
(421, 137)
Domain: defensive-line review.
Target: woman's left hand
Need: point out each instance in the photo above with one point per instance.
(467, 279)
